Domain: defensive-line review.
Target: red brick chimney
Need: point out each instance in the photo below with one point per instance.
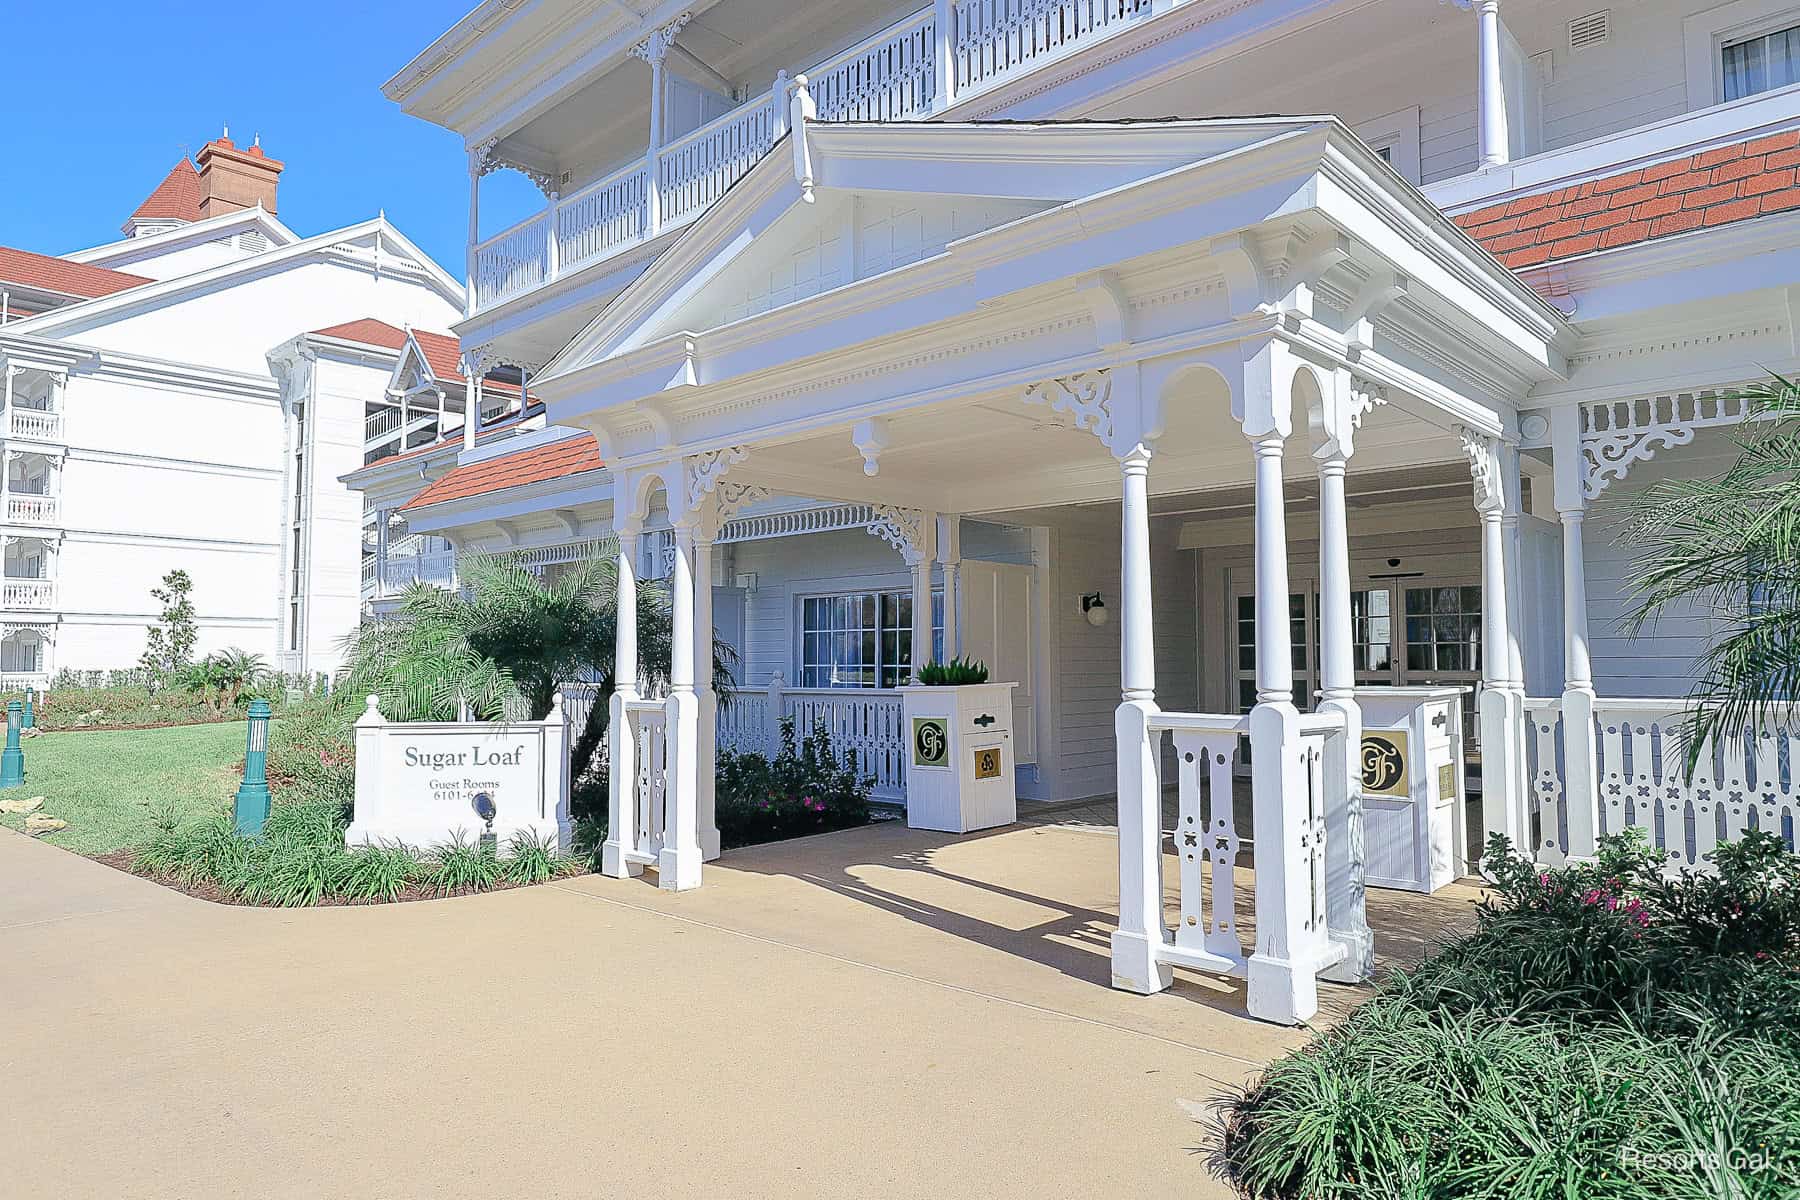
(233, 179)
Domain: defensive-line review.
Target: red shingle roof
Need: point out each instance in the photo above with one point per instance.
(22, 268)
(177, 197)
(571, 456)
(442, 352)
(1714, 187)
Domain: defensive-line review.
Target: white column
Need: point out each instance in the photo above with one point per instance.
(921, 611)
(1282, 975)
(706, 820)
(1137, 944)
(621, 784)
(472, 404)
(1505, 779)
(552, 247)
(943, 54)
(11, 372)
(655, 51)
(949, 552)
(1581, 768)
(1491, 132)
(1337, 686)
(474, 234)
(1497, 783)
(678, 867)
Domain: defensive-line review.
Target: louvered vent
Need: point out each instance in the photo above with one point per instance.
(1591, 30)
(253, 241)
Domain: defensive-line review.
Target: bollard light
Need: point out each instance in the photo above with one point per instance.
(30, 695)
(12, 762)
(251, 807)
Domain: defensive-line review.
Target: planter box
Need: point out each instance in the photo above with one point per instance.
(959, 756)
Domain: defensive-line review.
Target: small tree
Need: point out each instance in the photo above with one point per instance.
(170, 645)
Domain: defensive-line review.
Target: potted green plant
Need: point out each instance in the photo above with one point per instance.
(959, 765)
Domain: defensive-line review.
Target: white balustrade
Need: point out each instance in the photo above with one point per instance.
(402, 571)
(695, 170)
(1737, 784)
(34, 424)
(997, 38)
(28, 509)
(27, 593)
(649, 733)
(1207, 843)
(863, 721)
(891, 76)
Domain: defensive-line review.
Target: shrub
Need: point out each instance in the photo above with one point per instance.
(312, 754)
(115, 705)
(955, 673)
(806, 788)
(1604, 1031)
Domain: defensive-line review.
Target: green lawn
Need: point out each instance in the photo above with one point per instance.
(107, 784)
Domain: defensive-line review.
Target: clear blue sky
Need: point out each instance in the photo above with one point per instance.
(103, 96)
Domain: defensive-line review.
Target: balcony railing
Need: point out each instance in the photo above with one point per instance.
(437, 569)
(27, 509)
(893, 76)
(27, 593)
(34, 424)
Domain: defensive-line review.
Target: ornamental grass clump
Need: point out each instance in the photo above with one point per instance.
(1606, 1031)
(301, 860)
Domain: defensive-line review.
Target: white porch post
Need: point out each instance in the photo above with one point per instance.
(654, 50)
(678, 867)
(621, 783)
(12, 371)
(1491, 131)
(949, 550)
(1282, 984)
(1337, 687)
(943, 54)
(474, 232)
(919, 559)
(1499, 786)
(706, 820)
(1137, 943)
(1581, 769)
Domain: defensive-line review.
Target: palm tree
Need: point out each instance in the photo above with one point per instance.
(1730, 543)
(505, 644)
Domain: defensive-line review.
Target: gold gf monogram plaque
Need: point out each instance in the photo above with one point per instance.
(1384, 763)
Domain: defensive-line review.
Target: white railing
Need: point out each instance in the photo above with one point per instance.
(1207, 842)
(649, 729)
(996, 38)
(1739, 784)
(18, 682)
(437, 569)
(27, 593)
(28, 509)
(695, 169)
(34, 424)
(892, 76)
(865, 722)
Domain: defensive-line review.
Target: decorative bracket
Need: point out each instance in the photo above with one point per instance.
(1616, 434)
(1365, 397)
(655, 48)
(903, 529)
(1483, 453)
(1087, 397)
(705, 471)
(735, 497)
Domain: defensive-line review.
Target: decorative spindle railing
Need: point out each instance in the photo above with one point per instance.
(893, 76)
(27, 593)
(35, 424)
(1737, 784)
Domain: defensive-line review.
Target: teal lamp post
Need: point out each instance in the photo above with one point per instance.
(251, 807)
(12, 762)
(30, 695)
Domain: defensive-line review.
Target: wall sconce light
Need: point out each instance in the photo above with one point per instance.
(1093, 607)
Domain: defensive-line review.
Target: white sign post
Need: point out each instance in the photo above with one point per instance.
(423, 783)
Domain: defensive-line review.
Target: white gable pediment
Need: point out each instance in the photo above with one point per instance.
(883, 197)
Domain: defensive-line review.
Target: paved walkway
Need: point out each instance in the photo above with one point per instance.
(870, 1014)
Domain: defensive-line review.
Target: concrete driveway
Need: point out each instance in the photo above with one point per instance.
(869, 1014)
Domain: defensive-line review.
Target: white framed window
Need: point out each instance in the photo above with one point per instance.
(862, 639)
(1741, 49)
(1396, 138)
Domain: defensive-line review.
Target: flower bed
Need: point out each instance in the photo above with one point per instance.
(806, 788)
(1603, 1032)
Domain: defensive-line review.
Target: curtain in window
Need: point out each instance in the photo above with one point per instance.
(1762, 64)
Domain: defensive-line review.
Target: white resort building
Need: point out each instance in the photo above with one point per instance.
(188, 397)
(1224, 437)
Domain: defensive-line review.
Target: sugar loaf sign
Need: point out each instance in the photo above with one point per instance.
(423, 783)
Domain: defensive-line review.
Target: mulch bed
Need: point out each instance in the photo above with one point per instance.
(124, 860)
(40, 728)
